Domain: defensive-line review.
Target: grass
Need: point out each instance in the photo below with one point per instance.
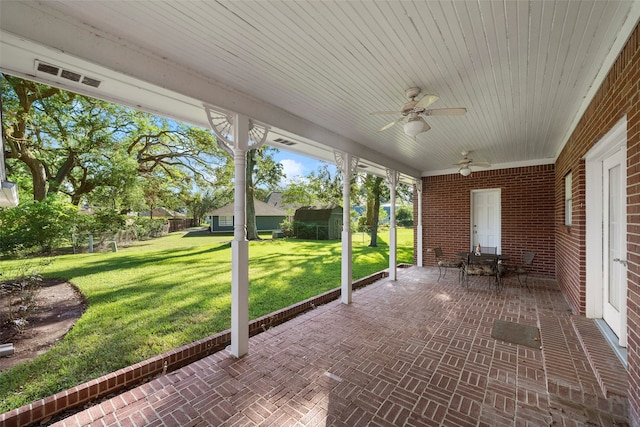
(161, 294)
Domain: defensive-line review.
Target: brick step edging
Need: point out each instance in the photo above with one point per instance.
(606, 366)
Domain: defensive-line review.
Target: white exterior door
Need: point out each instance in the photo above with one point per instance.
(485, 218)
(614, 250)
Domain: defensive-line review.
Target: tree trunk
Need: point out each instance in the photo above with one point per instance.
(375, 194)
(38, 177)
(252, 230)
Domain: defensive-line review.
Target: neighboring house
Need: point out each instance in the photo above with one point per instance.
(268, 218)
(320, 223)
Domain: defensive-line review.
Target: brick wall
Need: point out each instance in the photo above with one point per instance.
(619, 95)
(527, 213)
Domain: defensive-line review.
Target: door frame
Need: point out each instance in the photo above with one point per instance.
(612, 141)
(498, 191)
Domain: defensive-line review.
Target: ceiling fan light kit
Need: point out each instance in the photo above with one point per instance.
(464, 164)
(465, 171)
(414, 126)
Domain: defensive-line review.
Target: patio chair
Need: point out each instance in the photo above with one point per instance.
(519, 270)
(485, 265)
(445, 264)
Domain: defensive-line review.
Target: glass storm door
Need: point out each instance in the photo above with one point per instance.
(615, 244)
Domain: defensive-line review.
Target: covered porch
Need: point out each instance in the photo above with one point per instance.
(407, 352)
(539, 94)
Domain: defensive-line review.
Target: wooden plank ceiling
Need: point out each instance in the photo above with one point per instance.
(521, 68)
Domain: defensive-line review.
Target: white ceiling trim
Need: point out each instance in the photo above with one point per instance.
(509, 165)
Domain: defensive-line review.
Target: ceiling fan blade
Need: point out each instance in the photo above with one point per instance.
(426, 126)
(393, 123)
(426, 101)
(375, 113)
(482, 164)
(445, 112)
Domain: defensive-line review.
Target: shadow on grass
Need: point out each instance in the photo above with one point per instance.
(161, 300)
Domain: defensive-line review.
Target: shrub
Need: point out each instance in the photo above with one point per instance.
(146, 228)
(310, 231)
(287, 228)
(35, 226)
(103, 225)
(404, 216)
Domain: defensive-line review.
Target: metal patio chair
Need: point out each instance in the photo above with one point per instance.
(445, 264)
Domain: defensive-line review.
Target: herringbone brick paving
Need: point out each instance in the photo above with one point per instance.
(407, 353)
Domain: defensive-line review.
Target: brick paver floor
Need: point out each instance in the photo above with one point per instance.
(411, 352)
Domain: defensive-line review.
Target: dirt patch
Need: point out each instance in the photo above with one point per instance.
(58, 305)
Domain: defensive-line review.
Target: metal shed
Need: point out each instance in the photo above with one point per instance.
(319, 223)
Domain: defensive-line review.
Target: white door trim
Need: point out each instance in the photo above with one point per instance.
(613, 141)
(498, 191)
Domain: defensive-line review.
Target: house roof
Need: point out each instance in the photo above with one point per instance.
(262, 209)
(275, 199)
(311, 213)
(314, 71)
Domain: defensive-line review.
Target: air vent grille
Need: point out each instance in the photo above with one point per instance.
(284, 141)
(49, 69)
(70, 75)
(65, 74)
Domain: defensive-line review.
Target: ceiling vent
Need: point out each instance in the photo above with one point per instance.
(64, 74)
(284, 141)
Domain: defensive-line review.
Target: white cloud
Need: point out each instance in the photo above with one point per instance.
(292, 168)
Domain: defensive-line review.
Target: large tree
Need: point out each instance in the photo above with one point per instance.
(93, 150)
(261, 171)
(322, 187)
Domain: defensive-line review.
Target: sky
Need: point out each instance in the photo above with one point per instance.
(295, 164)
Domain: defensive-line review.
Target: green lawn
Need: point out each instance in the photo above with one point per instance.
(161, 294)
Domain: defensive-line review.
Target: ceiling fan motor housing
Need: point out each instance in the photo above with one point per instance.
(412, 92)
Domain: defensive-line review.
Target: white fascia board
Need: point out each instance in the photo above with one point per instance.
(147, 76)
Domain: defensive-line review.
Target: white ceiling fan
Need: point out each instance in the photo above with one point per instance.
(415, 112)
(464, 164)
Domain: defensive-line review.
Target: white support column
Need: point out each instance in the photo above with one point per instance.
(419, 255)
(392, 179)
(347, 165)
(240, 245)
(240, 135)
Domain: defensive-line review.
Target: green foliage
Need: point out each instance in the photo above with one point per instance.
(145, 228)
(35, 227)
(303, 230)
(42, 227)
(322, 187)
(404, 216)
(98, 152)
(361, 225)
(287, 228)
